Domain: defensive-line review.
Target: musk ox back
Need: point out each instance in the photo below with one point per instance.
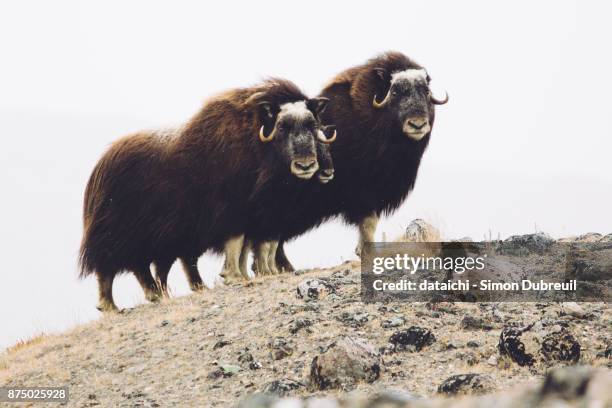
(153, 199)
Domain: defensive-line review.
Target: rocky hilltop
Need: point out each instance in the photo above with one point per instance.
(306, 339)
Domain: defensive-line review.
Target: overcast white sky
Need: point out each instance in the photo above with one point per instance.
(524, 143)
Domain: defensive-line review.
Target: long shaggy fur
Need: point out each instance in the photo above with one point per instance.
(155, 198)
(376, 164)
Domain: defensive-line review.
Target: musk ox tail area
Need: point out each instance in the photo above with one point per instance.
(91, 204)
(126, 207)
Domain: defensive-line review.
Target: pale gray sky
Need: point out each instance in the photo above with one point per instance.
(524, 142)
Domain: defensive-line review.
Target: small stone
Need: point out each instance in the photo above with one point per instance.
(280, 348)
(573, 309)
(354, 319)
(473, 344)
(282, 387)
(229, 370)
(413, 338)
(255, 365)
(312, 289)
(164, 323)
(492, 361)
(299, 324)
(221, 344)
(467, 384)
(395, 321)
(345, 363)
(474, 323)
(244, 356)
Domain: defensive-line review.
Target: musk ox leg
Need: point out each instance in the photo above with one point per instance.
(261, 257)
(190, 266)
(272, 258)
(244, 256)
(367, 228)
(281, 259)
(105, 292)
(162, 269)
(147, 283)
(231, 266)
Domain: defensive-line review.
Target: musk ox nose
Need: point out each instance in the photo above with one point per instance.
(328, 172)
(417, 123)
(305, 165)
(304, 168)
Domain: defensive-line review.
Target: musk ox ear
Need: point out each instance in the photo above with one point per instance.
(267, 114)
(317, 105)
(382, 74)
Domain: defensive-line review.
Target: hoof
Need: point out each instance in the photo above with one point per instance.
(198, 287)
(106, 307)
(154, 297)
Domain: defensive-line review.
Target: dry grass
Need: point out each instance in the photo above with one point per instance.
(25, 343)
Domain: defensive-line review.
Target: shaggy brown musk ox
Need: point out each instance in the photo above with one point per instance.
(152, 199)
(272, 219)
(384, 111)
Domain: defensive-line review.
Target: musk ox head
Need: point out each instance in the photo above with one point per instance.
(324, 157)
(292, 128)
(405, 98)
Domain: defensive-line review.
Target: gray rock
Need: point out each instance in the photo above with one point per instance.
(413, 339)
(546, 342)
(354, 319)
(538, 242)
(395, 321)
(312, 289)
(345, 363)
(421, 231)
(282, 387)
(606, 238)
(474, 323)
(280, 348)
(298, 324)
(467, 384)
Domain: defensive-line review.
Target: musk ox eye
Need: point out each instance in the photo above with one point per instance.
(394, 93)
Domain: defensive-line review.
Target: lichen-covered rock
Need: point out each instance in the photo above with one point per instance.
(282, 387)
(280, 348)
(346, 362)
(510, 345)
(420, 231)
(560, 346)
(474, 323)
(413, 339)
(544, 341)
(312, 289)
(467, 384)
(538, 242)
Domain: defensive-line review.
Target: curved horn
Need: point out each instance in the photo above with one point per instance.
(321, 136)
(381, 104)
(438, 101)
(263, 137)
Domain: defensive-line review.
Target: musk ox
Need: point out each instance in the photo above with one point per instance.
(272, 218)
(154, 199)
(384, 111)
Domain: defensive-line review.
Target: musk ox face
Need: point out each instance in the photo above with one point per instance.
(293, 129)
(324, 157)
(408, 100)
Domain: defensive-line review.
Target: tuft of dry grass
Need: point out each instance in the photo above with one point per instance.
(25, 343)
